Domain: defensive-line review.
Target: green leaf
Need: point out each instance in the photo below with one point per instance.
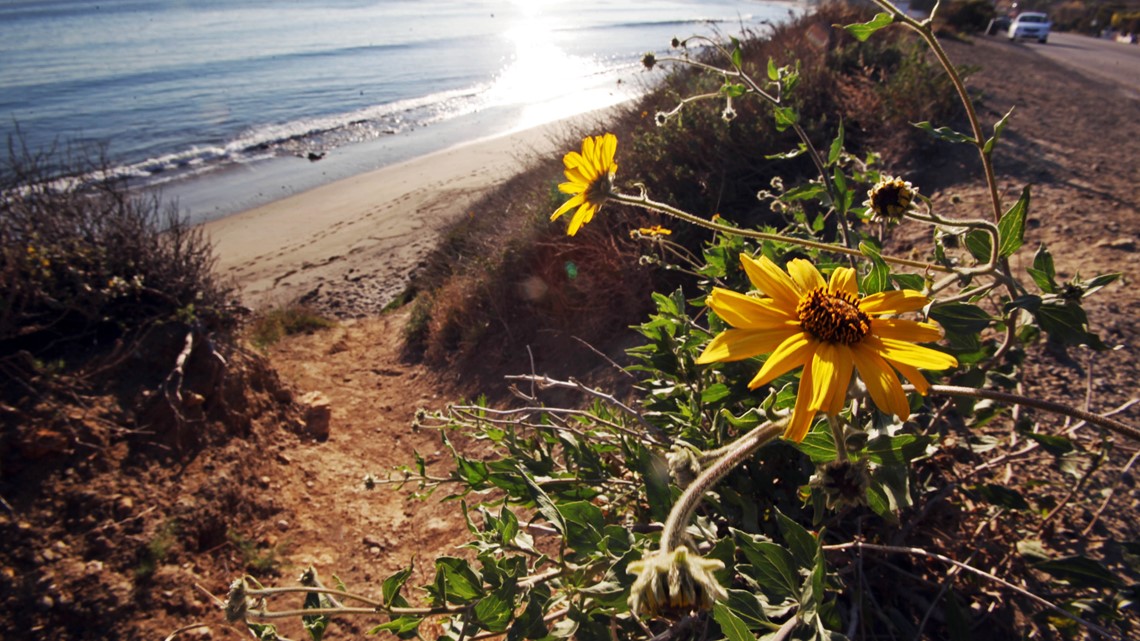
(961, 318)
(879, 278)
(819, 446)
(714, 393)
(1043, 272)
(998, 128)
(864, 30)
(773, 72)
(737, 58)
(1055, 445)
(733, 90)
(546, 506)
(732, 626)
(1011, 227)
(316, 625)
(584, 525)
(1002, 496)
(785, 117)
(1065, 322)
(836, 146)
(494, 612)
(773, 566)
(979, 244)
(455, 581)
(404, 627)
(746, 605)
(801, 543)
(529, 624)
(909, 281)
(1081, 572)
(945, 134)
(263, 631)
(390, 589)
(899, 449)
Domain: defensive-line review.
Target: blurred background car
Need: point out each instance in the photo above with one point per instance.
(1030, 25)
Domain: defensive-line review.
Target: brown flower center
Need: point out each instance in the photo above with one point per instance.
(833, 317)
(600, 189)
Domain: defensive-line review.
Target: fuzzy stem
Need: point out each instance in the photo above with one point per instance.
(682, 512)
(645, 202)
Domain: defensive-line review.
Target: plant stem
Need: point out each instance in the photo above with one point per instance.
(682, 512)
(1110, 424)
(645, 202)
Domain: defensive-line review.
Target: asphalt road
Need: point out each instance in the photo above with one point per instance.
(1100, 59)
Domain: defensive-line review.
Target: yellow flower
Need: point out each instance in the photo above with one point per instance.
(890, 198)
(829, 330)
(589, 176)
(656, 230)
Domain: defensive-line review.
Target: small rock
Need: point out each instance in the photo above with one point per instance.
(318, 414)
(372, 541)
(283, 525)
(284, 459)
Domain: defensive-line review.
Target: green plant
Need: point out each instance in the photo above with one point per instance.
(260, 558)
(271, 325)
(790, 433)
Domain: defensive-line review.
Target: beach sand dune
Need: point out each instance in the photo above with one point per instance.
(362, 236)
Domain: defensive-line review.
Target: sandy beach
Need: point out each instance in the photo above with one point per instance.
(368, 231)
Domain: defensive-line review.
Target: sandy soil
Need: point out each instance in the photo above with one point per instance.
(352, 244)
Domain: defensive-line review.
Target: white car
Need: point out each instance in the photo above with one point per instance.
(1030, 25)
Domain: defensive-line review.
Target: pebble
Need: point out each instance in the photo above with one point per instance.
(283, 525)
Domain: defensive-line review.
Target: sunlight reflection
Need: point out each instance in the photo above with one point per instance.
(546, 82)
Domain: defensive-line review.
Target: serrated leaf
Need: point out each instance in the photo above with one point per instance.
(1011, 227)
(494, 612)
(862, 31)
(455, 581)
(732, 626)
(801, 543)
(773, 566)
(746, 605)
(714, 393)
(1043, 272)
(945, 134)
(584, 525)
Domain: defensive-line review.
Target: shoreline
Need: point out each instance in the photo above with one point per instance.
(361, 237)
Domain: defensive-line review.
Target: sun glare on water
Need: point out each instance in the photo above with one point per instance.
(540, 77)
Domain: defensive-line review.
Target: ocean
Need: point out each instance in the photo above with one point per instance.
(228, 104)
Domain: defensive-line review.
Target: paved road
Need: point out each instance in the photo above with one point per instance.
(1100, 59)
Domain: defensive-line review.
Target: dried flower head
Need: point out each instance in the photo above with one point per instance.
(649, 61)
(891, 198)
(843, 483)
(674, 582)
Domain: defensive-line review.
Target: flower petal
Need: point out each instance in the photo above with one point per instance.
(567, 206)
(824, 372)
(894, 302)
(572, 187)
(844, 368)
(748, 312)
(914, 376)
(897, 351)
(795, 351)
(882, 382)
(584, 215)
(843, 280)
(609, 150)
(739, 344)
(767, 277)
(905, 330)
(802, 414)
(805, 275)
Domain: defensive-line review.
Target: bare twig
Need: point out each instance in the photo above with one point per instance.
(609, 360)
(1112, 491)
(547, 382)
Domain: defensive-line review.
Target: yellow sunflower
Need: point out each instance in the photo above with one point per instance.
(829, 330)
(589, 176)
